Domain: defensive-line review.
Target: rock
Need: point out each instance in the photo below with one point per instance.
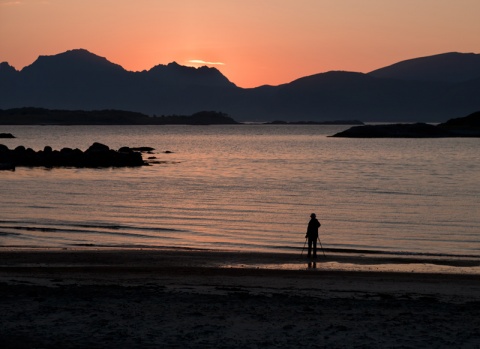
(143, 149)
(125, 150)
(98, 147)
(7, 167)
(97, 155)
(6, 135)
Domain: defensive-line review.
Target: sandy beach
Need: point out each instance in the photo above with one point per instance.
(207, 299)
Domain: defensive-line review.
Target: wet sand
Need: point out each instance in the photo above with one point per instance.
(206, 299)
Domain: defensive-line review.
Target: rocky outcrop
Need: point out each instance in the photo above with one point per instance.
(97, 155)
(418, 130)
(7, 167)
(468, 126)
(6, 135)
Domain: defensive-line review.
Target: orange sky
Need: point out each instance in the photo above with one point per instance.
(258, 41)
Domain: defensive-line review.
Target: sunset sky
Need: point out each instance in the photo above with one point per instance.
(252, 42)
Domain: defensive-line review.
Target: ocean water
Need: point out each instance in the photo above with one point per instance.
(247, 188)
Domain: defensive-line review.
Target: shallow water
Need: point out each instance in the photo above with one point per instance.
(249, 188)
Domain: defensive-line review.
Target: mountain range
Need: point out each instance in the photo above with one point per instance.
(427, 89)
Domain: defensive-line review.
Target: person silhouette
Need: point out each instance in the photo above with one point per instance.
(312, 235)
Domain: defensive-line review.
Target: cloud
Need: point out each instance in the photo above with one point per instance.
(199, 61)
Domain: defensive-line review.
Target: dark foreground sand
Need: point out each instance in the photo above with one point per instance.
(195, 299)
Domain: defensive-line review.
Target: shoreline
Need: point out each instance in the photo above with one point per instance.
(135, 264)
(197, 299)
(191, 257)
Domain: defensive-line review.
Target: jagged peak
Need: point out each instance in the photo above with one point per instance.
(176, 65)
(185, 74)
(6, 67)
(173, 64)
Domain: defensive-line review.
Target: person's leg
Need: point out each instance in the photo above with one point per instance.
(309, 247)
(314, 248)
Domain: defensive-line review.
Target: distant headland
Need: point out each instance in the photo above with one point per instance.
(468, 126)
(41, 116)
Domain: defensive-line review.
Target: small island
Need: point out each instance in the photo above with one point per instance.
(468, 126)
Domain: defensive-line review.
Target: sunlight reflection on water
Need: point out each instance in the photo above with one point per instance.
(336, 266)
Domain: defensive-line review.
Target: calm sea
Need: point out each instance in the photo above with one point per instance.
(248, 188)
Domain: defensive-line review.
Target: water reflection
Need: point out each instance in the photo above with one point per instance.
(387, 267)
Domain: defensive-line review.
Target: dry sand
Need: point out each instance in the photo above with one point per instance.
(195, 299)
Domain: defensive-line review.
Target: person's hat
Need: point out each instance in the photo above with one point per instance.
(313, 215)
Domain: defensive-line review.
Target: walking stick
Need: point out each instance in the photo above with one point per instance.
(318, 237)
(304, 246)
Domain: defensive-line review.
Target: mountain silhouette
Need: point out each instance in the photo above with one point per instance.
(446, 67)
(73, 62)
(428, 89)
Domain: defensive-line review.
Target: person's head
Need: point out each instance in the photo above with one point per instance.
(313, 215)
